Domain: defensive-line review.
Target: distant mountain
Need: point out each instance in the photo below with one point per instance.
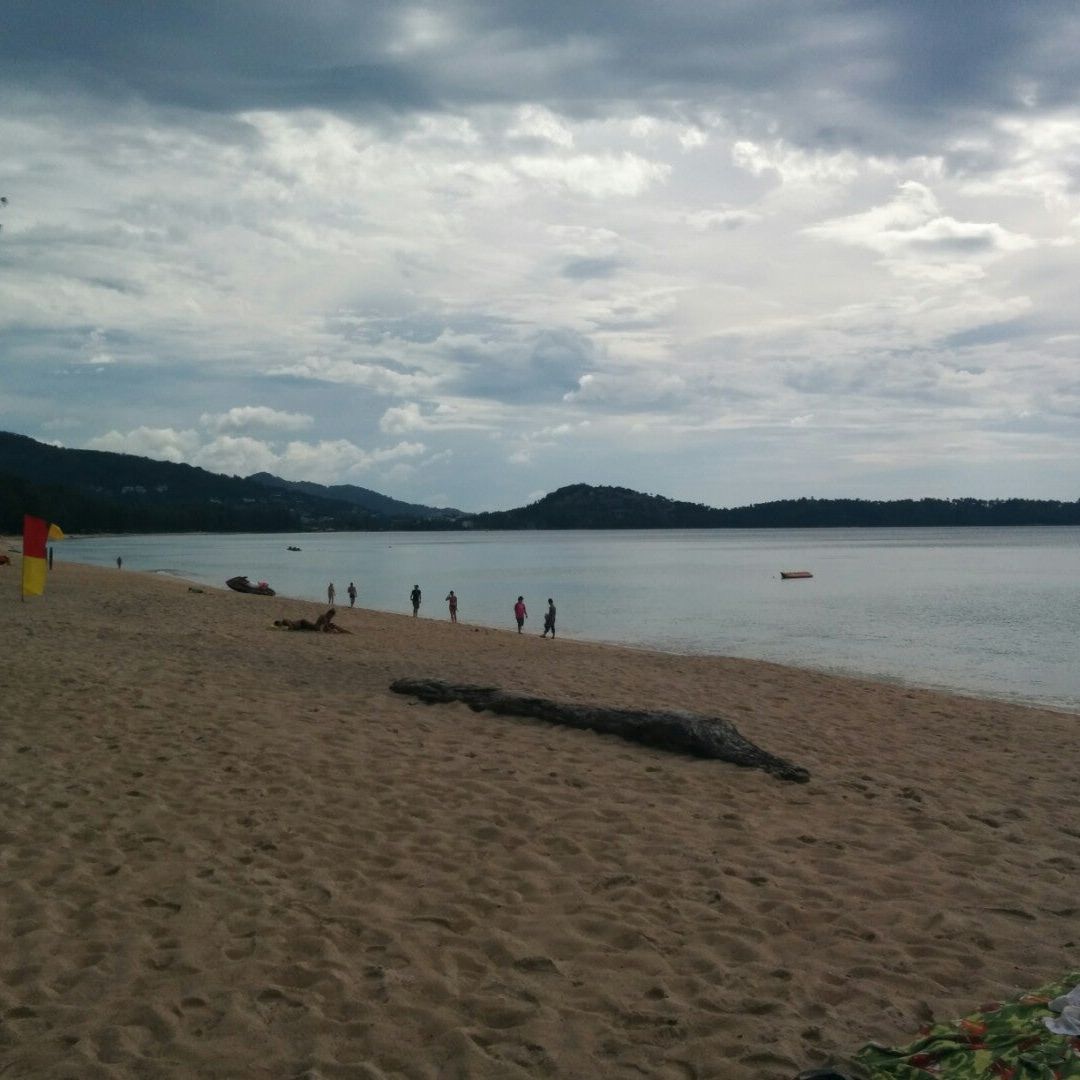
(369, 500)
(97, 491)
(582, 506)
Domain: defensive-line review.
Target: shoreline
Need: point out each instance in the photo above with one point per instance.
(230, 850)
(833, 672)
(13, 545)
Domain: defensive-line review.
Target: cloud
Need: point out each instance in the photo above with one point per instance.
(402, 418)
(598, 176)
(542, 367)
(326, 461)
(705, 220)
(475, 223)
(1040, 157)
(584, 269)
(236, 456)
(917, 59)
(340, 458)
(527, 444)
(239, 456)
(536, 122)
(913, 227)
(375, 377)
(246, 416)
(795, 166)
(164, 444)
(636, 391)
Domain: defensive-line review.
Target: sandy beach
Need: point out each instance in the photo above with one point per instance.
(229, 851)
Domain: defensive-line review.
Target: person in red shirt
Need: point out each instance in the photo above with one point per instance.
(520, 613)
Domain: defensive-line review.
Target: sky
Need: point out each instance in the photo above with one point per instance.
(728, 251)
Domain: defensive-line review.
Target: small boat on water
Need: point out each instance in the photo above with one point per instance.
(241, 584)
(795, 574)
(291, 548)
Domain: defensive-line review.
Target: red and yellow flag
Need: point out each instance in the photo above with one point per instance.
(34, 565)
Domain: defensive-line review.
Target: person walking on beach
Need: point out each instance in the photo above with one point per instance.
(414, 596)
(330, 593)
(549, 619)
(351, 590)
(119, 562)
(452, 602)
(520, 613)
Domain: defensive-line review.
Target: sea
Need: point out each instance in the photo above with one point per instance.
(991, 612)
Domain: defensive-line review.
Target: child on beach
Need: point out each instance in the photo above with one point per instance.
(452, 601)
(330, 593)
(520, 613)
(414, 596)
(351, 590)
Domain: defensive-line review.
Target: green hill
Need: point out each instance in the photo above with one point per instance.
(582, 506)
(97, 491)
(372, 501)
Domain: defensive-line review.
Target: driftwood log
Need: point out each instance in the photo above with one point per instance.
(701, 736)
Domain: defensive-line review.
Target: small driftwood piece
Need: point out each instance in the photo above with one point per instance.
(701, 736)
(324, 624)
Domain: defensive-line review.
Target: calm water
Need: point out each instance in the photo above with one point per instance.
(986, 611)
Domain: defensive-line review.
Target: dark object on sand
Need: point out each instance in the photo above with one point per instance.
(709, 737)
(191, 588)
(324, 624)
(241, 584)
(788, 574)
(5, 560)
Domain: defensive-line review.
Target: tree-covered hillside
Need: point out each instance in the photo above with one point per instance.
(95, 491)
(372, 501)
(582, 506)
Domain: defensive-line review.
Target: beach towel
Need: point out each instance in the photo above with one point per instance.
(1002, 1041)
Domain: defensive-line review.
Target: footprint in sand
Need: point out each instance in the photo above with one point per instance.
(197, 1016)
(275, 1004)
(168, 905)
(530, 1056)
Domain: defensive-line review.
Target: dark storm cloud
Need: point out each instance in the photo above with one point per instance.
(205, 55)
(542, 369)
(833, 70)
(586, 269)
(994, 333)
(917, 377)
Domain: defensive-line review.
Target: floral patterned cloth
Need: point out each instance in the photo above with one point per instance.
(1002, 1041)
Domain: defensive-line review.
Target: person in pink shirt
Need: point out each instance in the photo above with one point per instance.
(520, 613)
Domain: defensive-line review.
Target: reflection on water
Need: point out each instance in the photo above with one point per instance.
(985, 610)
